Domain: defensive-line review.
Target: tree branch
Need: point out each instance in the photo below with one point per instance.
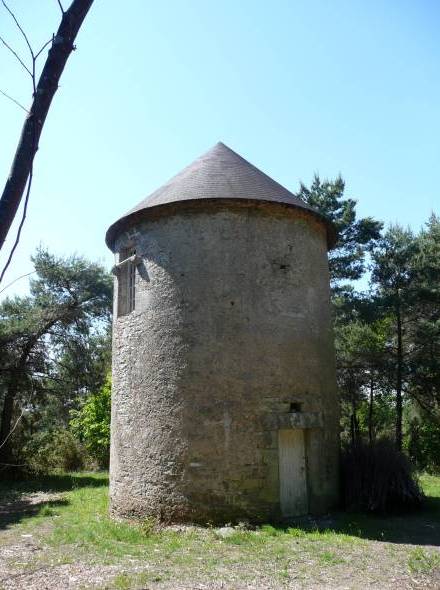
(44, 47)
(19, 28)
(15, 54)
(20, 227)
(13, 100)
(25, 37)
(17, 279)
(62, 47)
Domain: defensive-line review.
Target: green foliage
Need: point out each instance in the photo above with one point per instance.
(388, 340)
(424, 357)
(361, 350)
(422, 443)
(91, 424)
(54, 346)
(50, 451)
(80, 286)
(406, 276)
(384, 412)
(355, 236)
(393, 265)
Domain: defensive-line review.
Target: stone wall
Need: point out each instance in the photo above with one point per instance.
(230, 335)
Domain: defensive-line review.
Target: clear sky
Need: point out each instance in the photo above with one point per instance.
(296, 87)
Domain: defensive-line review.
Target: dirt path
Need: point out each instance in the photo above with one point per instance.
(19, 550)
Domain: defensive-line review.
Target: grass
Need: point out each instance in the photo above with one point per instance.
(423, 561)
(431, 485)
(74, 527)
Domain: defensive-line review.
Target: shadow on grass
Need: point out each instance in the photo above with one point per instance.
(25, 498)
(15, 511)
(419, 527)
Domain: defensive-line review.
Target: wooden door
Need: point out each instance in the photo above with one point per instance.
(292, 472)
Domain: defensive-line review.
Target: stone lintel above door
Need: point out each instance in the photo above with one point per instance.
(294, 420)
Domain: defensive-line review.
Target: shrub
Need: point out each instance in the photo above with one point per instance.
(378, 478)
(91, 424)
(51, 450)
(423, 444)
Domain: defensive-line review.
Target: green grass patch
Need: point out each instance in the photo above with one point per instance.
(423, 561)
(75, 527)
(430, 485)
(125, 581)
(331, 558)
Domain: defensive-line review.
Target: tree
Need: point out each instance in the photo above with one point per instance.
(406, 274)
(80, 367)
(355, 236)
(70, 300)
(422, 440)
(91, 423)
(424, 329)
(393, 276)
(62, 45)
(361, 363)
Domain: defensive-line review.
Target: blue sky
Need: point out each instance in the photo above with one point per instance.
(342, 86)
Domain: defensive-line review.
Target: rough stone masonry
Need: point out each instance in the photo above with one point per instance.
(224, 391)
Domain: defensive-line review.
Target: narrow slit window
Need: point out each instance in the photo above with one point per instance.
(131, 295)
(127, 282)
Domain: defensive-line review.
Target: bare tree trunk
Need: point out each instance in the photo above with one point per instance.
(399, 380)
(62, 47)
(6, 422)
(354, 427)
(370, 411)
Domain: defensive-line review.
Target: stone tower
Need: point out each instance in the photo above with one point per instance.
(224, 389)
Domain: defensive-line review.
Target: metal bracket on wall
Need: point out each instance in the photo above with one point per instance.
(135, 259)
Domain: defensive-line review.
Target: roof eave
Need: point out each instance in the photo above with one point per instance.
(129, 220)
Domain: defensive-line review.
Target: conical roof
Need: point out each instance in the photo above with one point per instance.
(220, 173)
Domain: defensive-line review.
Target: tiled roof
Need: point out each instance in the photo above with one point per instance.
(220, 173)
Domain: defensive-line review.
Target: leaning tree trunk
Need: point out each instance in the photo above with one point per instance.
(62, 47)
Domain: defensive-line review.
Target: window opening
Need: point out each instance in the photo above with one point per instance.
(131, 282)
(126, 272)
(295, 407)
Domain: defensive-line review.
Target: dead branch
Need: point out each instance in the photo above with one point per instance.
(43, 48)
(13, 100)
(62, 47)
(26, 274)
(17, 57)
(19, 27)
(20, 227)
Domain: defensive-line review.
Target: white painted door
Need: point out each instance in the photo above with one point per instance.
(292, 468)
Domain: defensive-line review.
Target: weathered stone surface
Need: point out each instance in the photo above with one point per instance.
(231, 326)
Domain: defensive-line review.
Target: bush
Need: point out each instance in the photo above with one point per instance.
(52, 450)
(91, 424)
(423, 444)
(378, 478)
